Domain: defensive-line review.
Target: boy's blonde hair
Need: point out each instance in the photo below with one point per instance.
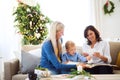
(69, 44)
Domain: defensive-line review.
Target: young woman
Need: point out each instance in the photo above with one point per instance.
(98, 50)
(51, 51)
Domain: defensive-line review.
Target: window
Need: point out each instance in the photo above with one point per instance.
(74, 14)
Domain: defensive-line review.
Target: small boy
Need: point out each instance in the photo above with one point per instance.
(71, 55)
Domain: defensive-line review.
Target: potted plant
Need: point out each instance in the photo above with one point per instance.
(31, 23)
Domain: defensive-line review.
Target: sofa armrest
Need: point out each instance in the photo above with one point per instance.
(11, 68)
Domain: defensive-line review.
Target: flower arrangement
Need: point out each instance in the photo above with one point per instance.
(108, 7)
(31, 23)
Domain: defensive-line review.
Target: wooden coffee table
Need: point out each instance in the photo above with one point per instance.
(97, 77)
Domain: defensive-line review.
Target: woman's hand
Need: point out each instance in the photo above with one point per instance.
(67, 62)
(88, 58)
(82, 64)
(97, 54)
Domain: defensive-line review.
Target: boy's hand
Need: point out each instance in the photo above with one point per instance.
(85, 54)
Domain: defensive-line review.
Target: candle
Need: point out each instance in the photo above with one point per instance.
(79, 68)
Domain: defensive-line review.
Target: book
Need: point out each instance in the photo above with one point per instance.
(90, 65)
(72, 63)
(93, 65)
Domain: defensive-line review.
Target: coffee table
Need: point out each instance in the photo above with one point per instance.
(97, 77)
(107, 77)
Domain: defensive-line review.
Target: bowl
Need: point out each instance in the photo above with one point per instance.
(42, 73)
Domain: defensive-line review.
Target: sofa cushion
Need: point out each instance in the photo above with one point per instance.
(35, 52)
(114, 49)
(28, 62)
(19, 77)
(118, 60)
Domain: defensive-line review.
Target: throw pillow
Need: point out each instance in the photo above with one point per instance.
(118, 60)
(35, 52)
(28, 62)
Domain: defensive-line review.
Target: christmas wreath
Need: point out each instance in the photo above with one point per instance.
(108, 10)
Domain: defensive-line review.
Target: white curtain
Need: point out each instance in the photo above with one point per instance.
(97, 11)
(10, 40)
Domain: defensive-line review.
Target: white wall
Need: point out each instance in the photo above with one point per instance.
(71, 14)
(110, 24)
(9, 40)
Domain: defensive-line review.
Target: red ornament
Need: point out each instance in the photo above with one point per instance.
(19, 1)
(107, 3)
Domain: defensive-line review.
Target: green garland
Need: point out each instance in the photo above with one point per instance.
(106, 11)
(83, 72)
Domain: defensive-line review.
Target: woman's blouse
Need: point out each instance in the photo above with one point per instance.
(102, 47)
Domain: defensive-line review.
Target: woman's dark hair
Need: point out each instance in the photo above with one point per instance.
(97, 34)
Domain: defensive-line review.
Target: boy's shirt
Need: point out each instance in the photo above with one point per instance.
(77, 57)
